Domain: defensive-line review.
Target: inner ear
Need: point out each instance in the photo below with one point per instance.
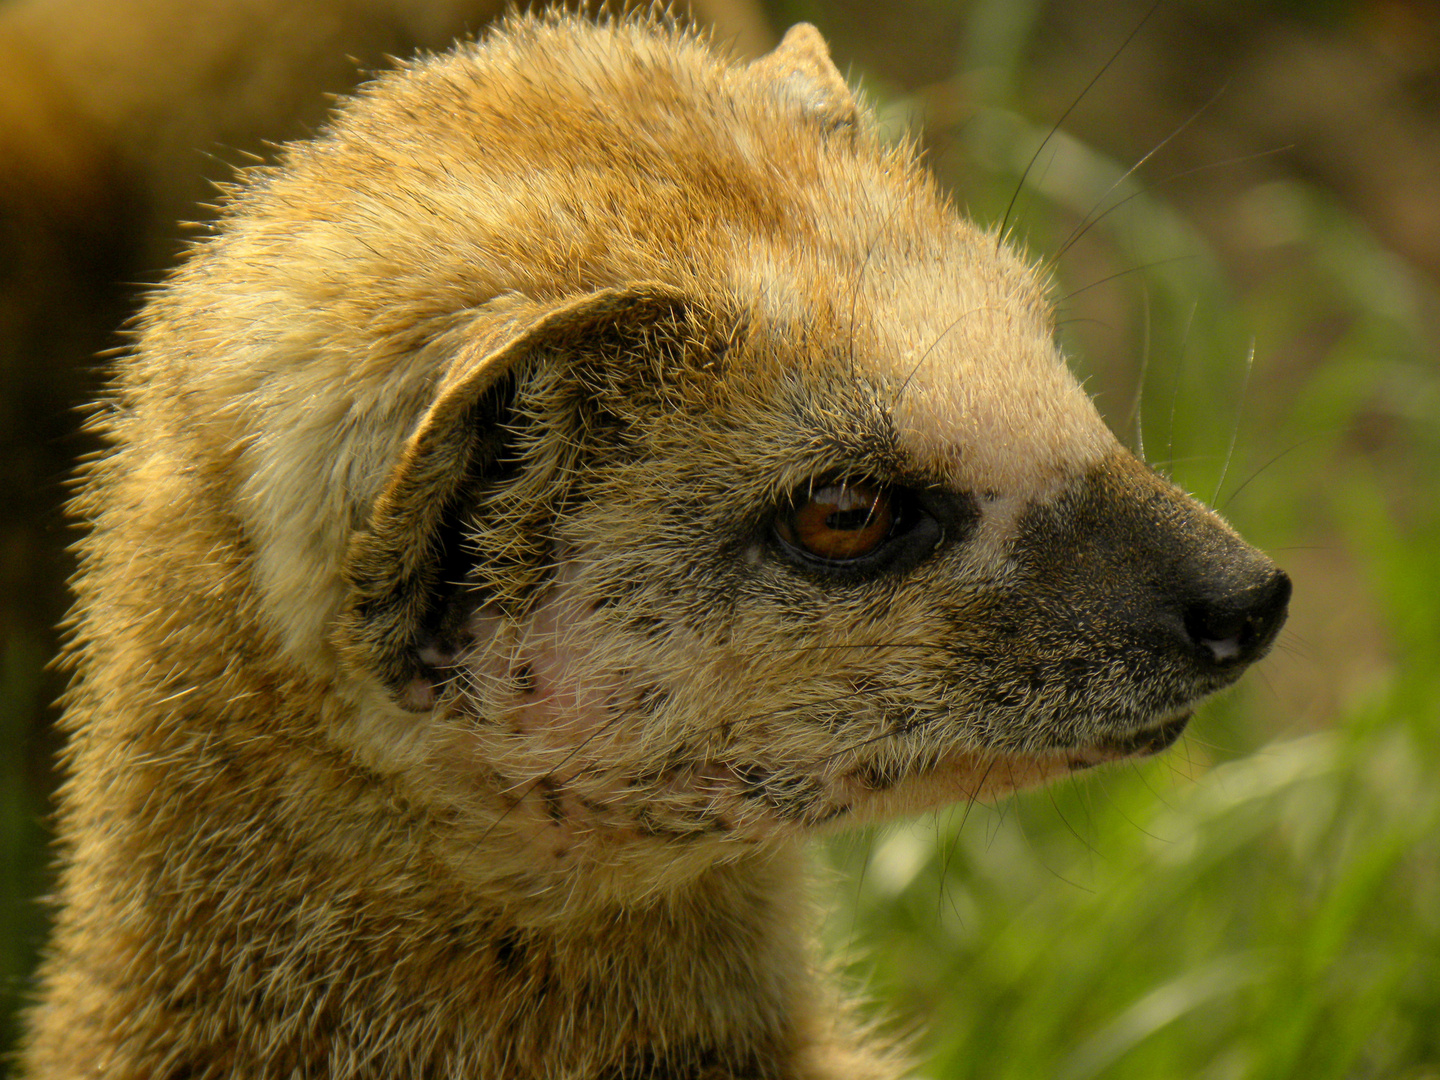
(406, 569)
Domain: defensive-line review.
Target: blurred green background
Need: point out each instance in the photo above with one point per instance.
(1263, 901)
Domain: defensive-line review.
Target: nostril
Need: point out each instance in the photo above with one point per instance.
(1220, 631)
(1240, 627)
(1223, 649)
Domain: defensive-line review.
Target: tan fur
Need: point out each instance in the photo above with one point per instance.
(447, 702)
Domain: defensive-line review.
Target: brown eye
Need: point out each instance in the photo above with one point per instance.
(839, 521)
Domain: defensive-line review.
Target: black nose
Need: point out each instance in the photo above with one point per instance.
(1238, 628)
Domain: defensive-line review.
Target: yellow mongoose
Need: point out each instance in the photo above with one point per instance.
(551, 495)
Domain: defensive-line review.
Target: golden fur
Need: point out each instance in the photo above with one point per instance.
(450, 699)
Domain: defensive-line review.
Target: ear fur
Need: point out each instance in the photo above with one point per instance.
(802, 68)
(395, 568)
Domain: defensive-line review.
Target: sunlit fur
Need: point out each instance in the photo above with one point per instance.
(444, 703)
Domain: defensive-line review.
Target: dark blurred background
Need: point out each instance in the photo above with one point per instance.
(1211, 182)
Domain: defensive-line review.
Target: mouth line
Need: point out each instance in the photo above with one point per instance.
(964, 774)
(1146, 742)
(971, 774)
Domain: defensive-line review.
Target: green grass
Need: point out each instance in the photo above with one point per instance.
(1276, 917)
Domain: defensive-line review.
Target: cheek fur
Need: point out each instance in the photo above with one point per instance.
(545, 678)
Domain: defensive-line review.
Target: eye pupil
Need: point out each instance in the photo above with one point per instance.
(848, 520)
(839, 521)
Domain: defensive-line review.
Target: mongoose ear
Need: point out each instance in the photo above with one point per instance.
(801, 67)
(395, 568)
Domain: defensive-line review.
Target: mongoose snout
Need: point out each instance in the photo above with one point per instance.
(1144, 568)
(1140, 602)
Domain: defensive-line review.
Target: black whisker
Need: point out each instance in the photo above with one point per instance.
(1084, 224)
(1020, 184)
(931, 348)
(974, 796)
(1115, 805)
(1145, 780)
(534, 785)
(860, 278)
(1124, 273)
(1156, 185)
(1282, 454)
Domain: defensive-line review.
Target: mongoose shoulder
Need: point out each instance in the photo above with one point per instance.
(583, 473)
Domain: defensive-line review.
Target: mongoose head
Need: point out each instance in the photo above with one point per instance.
(653, 465)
